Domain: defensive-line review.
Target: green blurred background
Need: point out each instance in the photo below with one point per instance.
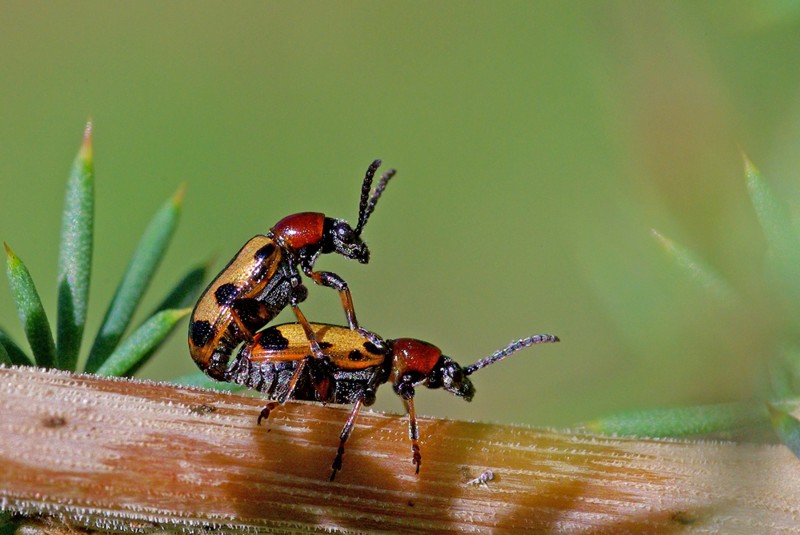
(537, 144)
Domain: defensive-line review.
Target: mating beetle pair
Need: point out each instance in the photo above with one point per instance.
(315, 362)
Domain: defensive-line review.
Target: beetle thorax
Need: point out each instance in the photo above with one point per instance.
(412, 357)
(299, 231)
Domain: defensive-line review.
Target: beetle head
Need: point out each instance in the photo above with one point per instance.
(339, 237)
(448, 374)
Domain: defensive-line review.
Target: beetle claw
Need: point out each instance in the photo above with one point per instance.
(417, 460)
(337, 462)
(264, 415)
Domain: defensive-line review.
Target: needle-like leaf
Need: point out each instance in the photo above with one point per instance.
(786, 426)
(182, 295)
(683, 421)
(772, 213)
(145, 260)
(141, 343)
(75, 256)
(4, 358)
(784, 372)
(783, 255)
(15, 353)
(697, 269)
(185, 292)
(30, 310)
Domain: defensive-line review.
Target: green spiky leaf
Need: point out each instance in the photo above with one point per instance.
(30, 310)
(185, 292)
(75, 255)
(773, 215)
(4, 358)
(683, 421)
(204, 381)
(783, 254)
(182, 295)
(786, 426)
(697, 269)
(784, 370)
(15, 353)
(141, 343)
(145, 260)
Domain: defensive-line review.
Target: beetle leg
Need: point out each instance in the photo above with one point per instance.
(312, 338)
(286, 394)
(376, 340)
(332, 280)
(247, 315)
(413, 432)
(266, 410)
(343, 436)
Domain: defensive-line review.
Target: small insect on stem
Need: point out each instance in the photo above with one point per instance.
(482, 479)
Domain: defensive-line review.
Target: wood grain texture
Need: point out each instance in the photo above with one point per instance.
(124, 454)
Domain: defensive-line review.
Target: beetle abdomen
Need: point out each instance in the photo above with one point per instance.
(240, 286)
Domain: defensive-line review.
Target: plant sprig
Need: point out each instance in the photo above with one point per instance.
(107, 355)
(780, 274)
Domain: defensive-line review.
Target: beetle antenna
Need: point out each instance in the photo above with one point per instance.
(369, 200)
(377, 192)
(511, 348)
(365, 187)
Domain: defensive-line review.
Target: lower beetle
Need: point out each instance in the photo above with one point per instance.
(264, 277)
(354, 364)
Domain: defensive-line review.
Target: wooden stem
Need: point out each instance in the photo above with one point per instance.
(126, 455)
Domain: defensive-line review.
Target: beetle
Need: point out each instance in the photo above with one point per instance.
(355, 363)
(264, 277)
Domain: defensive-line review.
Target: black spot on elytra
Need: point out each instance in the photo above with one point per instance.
(54, 421)
(226, 294)
(372, 348)
(356, 355)
(325, 345)
(200, 332)
(272, 339)
(265, 252)
(251, 313)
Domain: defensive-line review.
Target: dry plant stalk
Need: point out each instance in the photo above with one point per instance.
(134, 455)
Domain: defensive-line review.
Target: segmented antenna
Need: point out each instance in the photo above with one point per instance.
(511, 348)
(377, 192)
(365, 187)
(368, 201)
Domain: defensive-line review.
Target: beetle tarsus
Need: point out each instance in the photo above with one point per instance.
(264, 415)
(337, 462)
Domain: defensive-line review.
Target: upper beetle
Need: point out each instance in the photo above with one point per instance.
(354, 365)
(264, 277)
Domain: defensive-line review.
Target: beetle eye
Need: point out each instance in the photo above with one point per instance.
(344, 232)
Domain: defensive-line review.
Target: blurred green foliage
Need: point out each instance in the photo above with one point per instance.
(537, 143)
